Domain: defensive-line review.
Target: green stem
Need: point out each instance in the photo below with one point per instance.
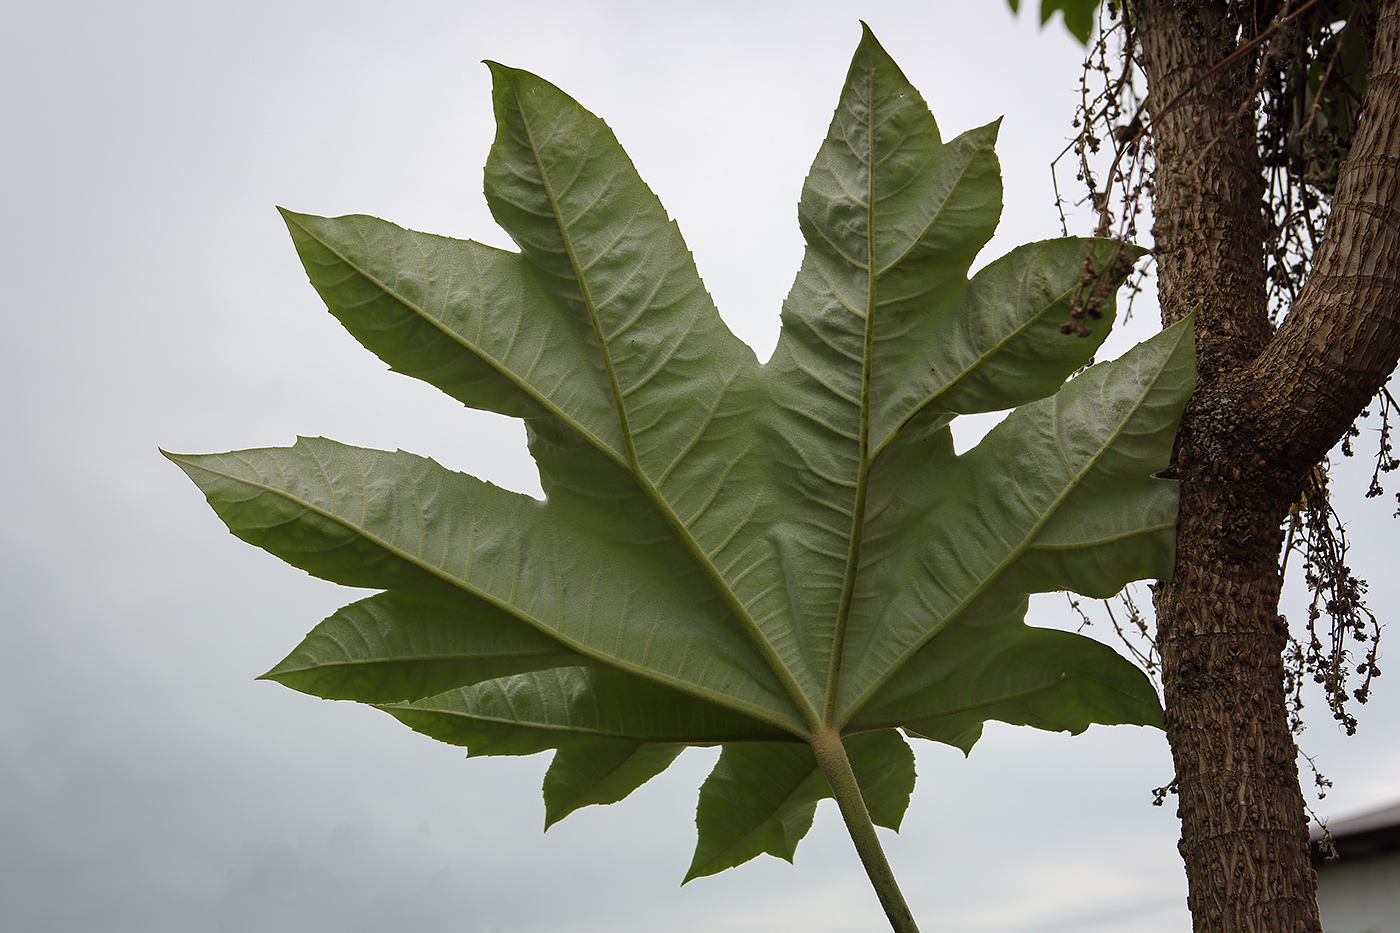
(831, 758)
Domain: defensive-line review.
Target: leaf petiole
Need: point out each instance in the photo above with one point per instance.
(832, 759)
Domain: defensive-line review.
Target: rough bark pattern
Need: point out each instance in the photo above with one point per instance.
(1265, 411)
(1244, 832)
(1244, 837)
(1208, 218)
(1340, 342)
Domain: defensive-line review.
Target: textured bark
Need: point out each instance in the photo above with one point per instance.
(1266, 409)
(1341, 340)
(1208, 211)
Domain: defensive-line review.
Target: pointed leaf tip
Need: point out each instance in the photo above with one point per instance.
(870, 45)
(505, 77)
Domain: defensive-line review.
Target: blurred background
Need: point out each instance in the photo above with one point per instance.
(150, 296)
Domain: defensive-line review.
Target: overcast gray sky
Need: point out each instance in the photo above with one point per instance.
(150, 296)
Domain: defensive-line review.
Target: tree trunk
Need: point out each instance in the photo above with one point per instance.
(1266, 409)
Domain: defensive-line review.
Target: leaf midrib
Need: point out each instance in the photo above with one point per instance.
(720, 699)
(629, 462)
(857, 534)
(772, 816)
(855, 706)
(562, 729)
(1064, 678)
(915, 241)
(967, 370)
(633, 465)
(867, 455)
(498, 365)
(454, 657)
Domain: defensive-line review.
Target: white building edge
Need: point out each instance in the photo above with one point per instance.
(1359, 892)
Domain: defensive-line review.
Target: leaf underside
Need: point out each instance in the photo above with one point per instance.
(728, 553)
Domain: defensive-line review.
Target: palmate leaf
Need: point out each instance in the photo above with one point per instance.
(728, 553)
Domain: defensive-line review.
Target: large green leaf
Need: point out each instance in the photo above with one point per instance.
(727, 553)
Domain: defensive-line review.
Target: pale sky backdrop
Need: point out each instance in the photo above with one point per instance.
(151, 296)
